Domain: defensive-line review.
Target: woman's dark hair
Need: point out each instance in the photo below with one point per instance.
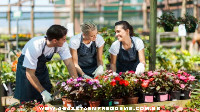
(126, 26)
(56, 32)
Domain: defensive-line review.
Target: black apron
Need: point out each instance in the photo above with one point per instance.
(24, 91)
(87, 58)
(127, 59)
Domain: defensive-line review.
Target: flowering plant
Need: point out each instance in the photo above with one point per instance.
(162, 80)
(176, 109)
(119, 87)
(29, 107)
(130, 76)
(146, 82)
(94, 89)
(74, 89)
(186, 80)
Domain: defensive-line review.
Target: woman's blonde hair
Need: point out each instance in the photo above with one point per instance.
(86, 27)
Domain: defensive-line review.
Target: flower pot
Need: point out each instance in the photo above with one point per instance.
(94, 103)
(185, 94)
(79, 103)
(67, 102)
(174, 95)
(117, 101)
(161, 96)
(133, 100)
(191, 29)
(168, 29)
(105, 102)
(146, 98)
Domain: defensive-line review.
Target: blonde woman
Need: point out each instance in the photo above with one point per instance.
(87, 49)
(127, 53)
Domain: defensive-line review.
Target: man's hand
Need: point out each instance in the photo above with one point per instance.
(98, 71)
(46, 96)
(140, 69)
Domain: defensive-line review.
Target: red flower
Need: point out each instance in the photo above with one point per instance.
(87, 80)
(151, 79)
(117, 78)
(113, 83)
(121, 82)
(145, 83)
(126, 83)
(7, 110)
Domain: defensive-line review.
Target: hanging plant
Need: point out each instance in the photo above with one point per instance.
(190, 22)
(167, 20)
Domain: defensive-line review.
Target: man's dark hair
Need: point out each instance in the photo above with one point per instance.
(56, 32)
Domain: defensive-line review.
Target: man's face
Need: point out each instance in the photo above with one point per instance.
(61, 41)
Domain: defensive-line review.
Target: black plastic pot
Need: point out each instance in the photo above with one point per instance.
(191, 29)
(161, 96)
(174, 95)
(146, 98)
(105, 102)
(185, 94)
(81, 104)
(168, 29)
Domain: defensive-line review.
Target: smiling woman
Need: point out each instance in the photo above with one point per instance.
(127, 53)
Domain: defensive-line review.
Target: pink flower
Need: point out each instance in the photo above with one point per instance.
(179, 109)
(150, 73)
(132, 72)
(179, 75)
(182, 77)
(156, 73)
(177, 81)
(191, 78)
(182, 86)
(120, 73)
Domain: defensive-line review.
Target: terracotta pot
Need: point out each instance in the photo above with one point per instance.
(117, 101)
(94, 103)
(133, 100)
(67, 102)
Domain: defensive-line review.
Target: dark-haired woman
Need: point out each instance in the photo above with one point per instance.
(127, 53)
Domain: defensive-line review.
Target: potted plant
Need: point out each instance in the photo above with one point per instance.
(167, 20)
(65, 89)
(147, 87)
(186, 83)
(105, 80)
(94, 92)
(189, 21)
(175, 88)
(163, 82)
(118, 89)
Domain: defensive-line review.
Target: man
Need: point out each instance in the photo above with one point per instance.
(32, 77)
